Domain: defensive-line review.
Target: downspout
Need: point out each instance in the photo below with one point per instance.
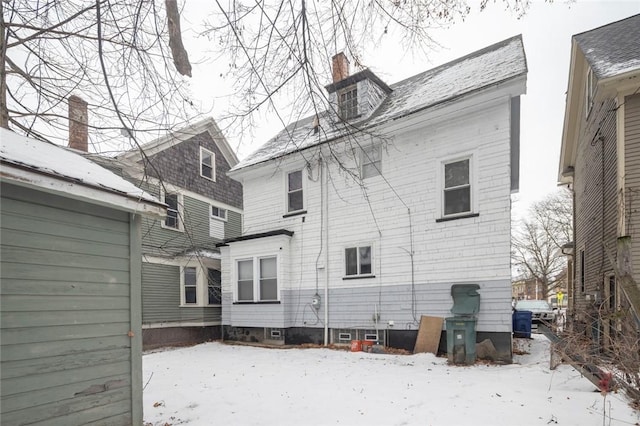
(325, 187)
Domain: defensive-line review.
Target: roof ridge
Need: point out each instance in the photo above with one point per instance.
(470, 55)
(606, 25)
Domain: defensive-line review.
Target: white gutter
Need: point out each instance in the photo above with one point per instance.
(325, 185)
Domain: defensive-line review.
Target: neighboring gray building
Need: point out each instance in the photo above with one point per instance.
(181, 264)
(600, 161)
(70, 299)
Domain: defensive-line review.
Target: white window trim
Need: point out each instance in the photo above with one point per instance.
(202, 290)
(256, 279)
(286, 191)
(358, 246)
(183, 303)
(213, 164)
(226, 213)
(180, 227)
(473, 181)
(589, 91)
(365, 159)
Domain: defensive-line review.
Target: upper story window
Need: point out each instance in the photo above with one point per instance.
(457, 187)
(371, 162)
(218, 213)
(173, 200)
(294, 191)
(207, 164)
(348, 103)
(358, 261)
(590, 91)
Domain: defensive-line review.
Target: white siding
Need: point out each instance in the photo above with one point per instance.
(473, 249)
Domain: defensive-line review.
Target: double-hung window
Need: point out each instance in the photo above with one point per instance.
(371, 161)
(190, 285)
(457, 187)
(213, 287)
(268, 279)
(294, 191)
(173, 200)
(245, 280)
(590, 91)
(348, 103)
(257, 279)
(358, 261)
(207, 164)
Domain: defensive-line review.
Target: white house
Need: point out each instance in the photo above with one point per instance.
(359, 220)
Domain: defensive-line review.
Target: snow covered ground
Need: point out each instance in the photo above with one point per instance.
(218, 384)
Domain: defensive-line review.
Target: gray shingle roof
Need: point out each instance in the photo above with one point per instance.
(612, 49)
(486, 67)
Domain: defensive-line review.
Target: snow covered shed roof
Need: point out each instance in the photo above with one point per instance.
(52, 168)
(484, 68)
(612, 49)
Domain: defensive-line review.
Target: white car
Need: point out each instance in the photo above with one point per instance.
(541, 311)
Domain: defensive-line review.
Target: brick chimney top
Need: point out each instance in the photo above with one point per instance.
(340, 65)
(78, 124)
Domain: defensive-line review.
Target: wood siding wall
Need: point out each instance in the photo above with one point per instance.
(596, 203)
(180, 166)
(632, 177)
(161, 301)
(394, 215)
(66, 358)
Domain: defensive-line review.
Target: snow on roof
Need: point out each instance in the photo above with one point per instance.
(612, 49)
(61, 163)
(494, 64)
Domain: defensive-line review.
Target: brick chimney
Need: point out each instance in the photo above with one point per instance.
(340, 67)
(78, 124)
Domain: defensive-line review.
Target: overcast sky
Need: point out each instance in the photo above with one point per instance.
(546, 30)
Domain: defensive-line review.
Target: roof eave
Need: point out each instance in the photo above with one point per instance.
(67, 187)
(571, 114)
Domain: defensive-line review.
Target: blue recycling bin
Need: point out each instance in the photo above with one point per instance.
(522, 324)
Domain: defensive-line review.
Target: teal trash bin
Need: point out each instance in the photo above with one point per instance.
(461, 340)
(461, 328)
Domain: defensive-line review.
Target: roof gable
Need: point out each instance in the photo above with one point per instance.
(494, 64)
(185, 134)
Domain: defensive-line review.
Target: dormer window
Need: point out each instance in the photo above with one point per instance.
(348, 102)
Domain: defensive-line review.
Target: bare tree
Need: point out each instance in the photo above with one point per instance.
(536, 247)
(115, 54)
(279, 52)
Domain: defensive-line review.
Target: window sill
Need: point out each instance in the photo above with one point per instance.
(219, 219)
(170, 228)
(207, 178)
(259, 302)
(296, 213)
(462, 216)
(357, 277)
(192, 305)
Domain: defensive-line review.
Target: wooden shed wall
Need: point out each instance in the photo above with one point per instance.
(66, 357)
